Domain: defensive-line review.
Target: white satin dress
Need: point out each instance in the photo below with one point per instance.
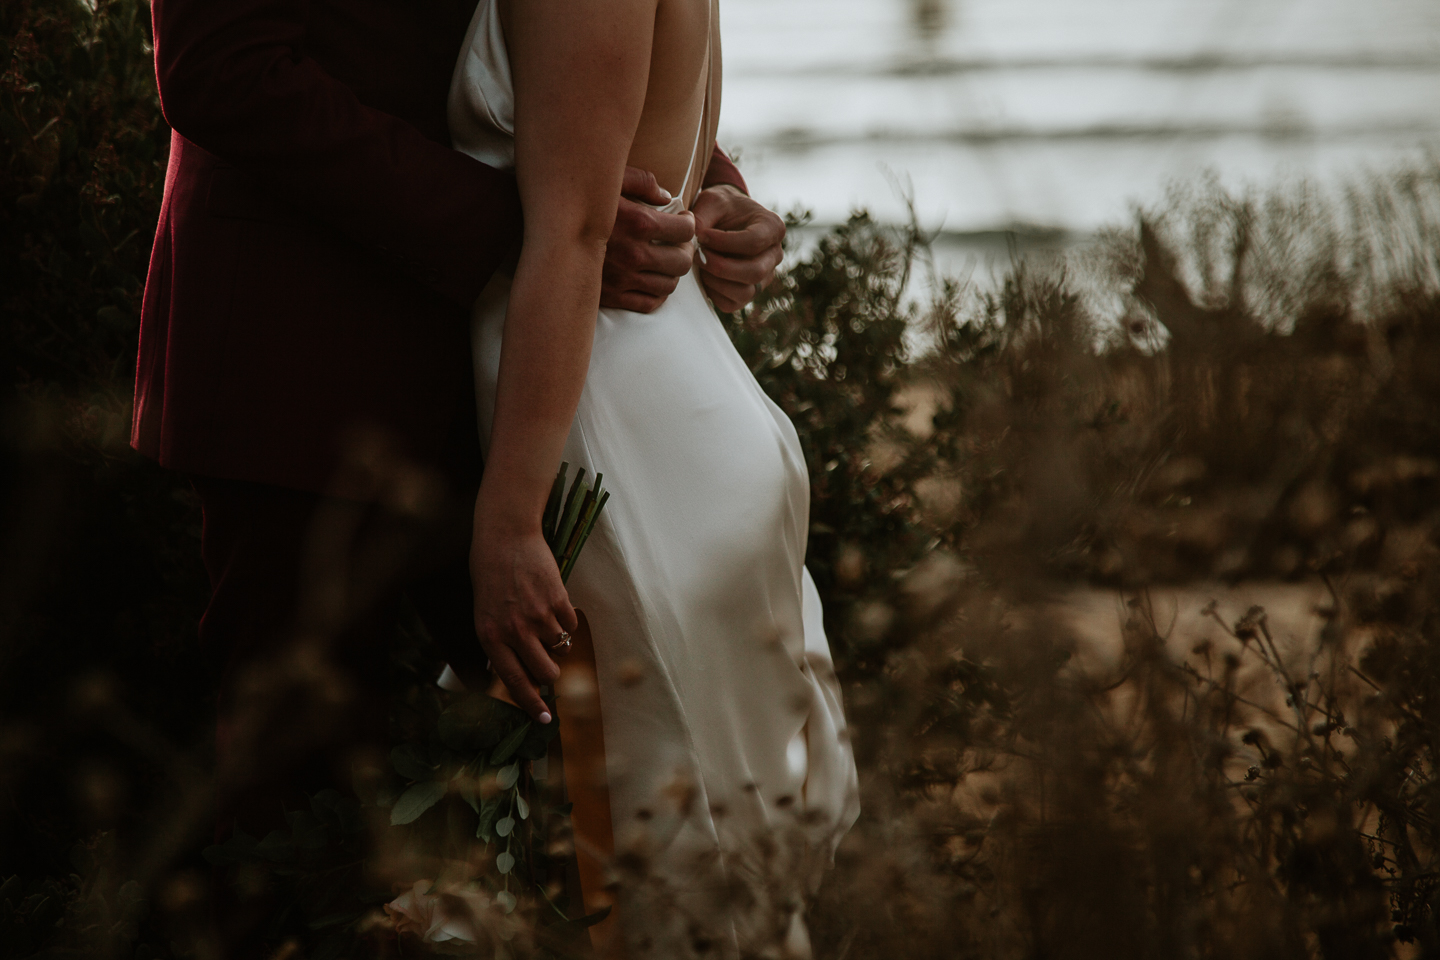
(731, 774)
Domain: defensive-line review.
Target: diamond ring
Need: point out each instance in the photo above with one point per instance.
(562, 643)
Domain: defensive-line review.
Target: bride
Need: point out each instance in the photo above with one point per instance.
(730, 774)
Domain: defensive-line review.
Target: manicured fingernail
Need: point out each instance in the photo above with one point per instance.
(544, 716)
(700, 252)
(665, 192)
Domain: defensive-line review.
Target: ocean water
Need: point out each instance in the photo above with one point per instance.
(1044, 120)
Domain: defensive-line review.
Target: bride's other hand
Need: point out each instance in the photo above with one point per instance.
(740, 245)
(520, 609)
(648, 251)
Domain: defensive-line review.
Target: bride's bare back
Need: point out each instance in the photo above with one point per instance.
(681, 62)
(683, 70)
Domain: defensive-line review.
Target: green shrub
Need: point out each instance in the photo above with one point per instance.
(81, 172)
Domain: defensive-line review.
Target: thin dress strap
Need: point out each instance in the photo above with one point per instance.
(705, 110)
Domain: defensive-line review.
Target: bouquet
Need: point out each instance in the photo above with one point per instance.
(569, 518)
(454, 910)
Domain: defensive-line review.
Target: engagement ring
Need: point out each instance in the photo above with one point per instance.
(562, 643)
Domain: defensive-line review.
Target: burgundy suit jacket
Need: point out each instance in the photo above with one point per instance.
(319, 242)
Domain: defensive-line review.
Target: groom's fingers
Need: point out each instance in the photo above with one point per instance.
(630, 289)
(636, 223)
(668, 260)
(741, 244)
(632, 300)
(647, 254)
(641, 185)
(727, 295)
(734, 224)
(754, 270)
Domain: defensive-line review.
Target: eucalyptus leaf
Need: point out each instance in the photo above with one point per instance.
(323, 803)
(347, 812)
(467, 792)
(408, 762)
(469, 724)
(506, 899)
(239, 848)
(216, 855)
(509, 745)
(504, 717)
(488, 812)
(508, 775)
(522, 806)
(537, 741)
(276, 847)
(387, 793)
(415, 801)
(504, 826)
(505, 862)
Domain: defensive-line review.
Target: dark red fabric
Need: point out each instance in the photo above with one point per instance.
(319, 242)
(723, 170)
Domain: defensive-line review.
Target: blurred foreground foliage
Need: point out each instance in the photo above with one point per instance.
(1222, 424)
(104, 714)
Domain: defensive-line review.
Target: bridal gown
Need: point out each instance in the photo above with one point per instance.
(731, 775)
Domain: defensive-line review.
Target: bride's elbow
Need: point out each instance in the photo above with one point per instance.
(584, 238)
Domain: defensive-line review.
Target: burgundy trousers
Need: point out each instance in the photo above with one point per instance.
(305, 595)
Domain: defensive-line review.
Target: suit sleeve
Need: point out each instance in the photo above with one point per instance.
(723, 170)
(235, 80)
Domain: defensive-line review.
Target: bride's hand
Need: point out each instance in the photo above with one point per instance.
(521, 607)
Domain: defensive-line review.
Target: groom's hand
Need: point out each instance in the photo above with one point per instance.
(739, 243)
(649, 251)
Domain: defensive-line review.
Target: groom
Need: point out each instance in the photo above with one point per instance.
(304, 353)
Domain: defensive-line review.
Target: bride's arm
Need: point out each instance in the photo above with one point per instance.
(580, 69)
